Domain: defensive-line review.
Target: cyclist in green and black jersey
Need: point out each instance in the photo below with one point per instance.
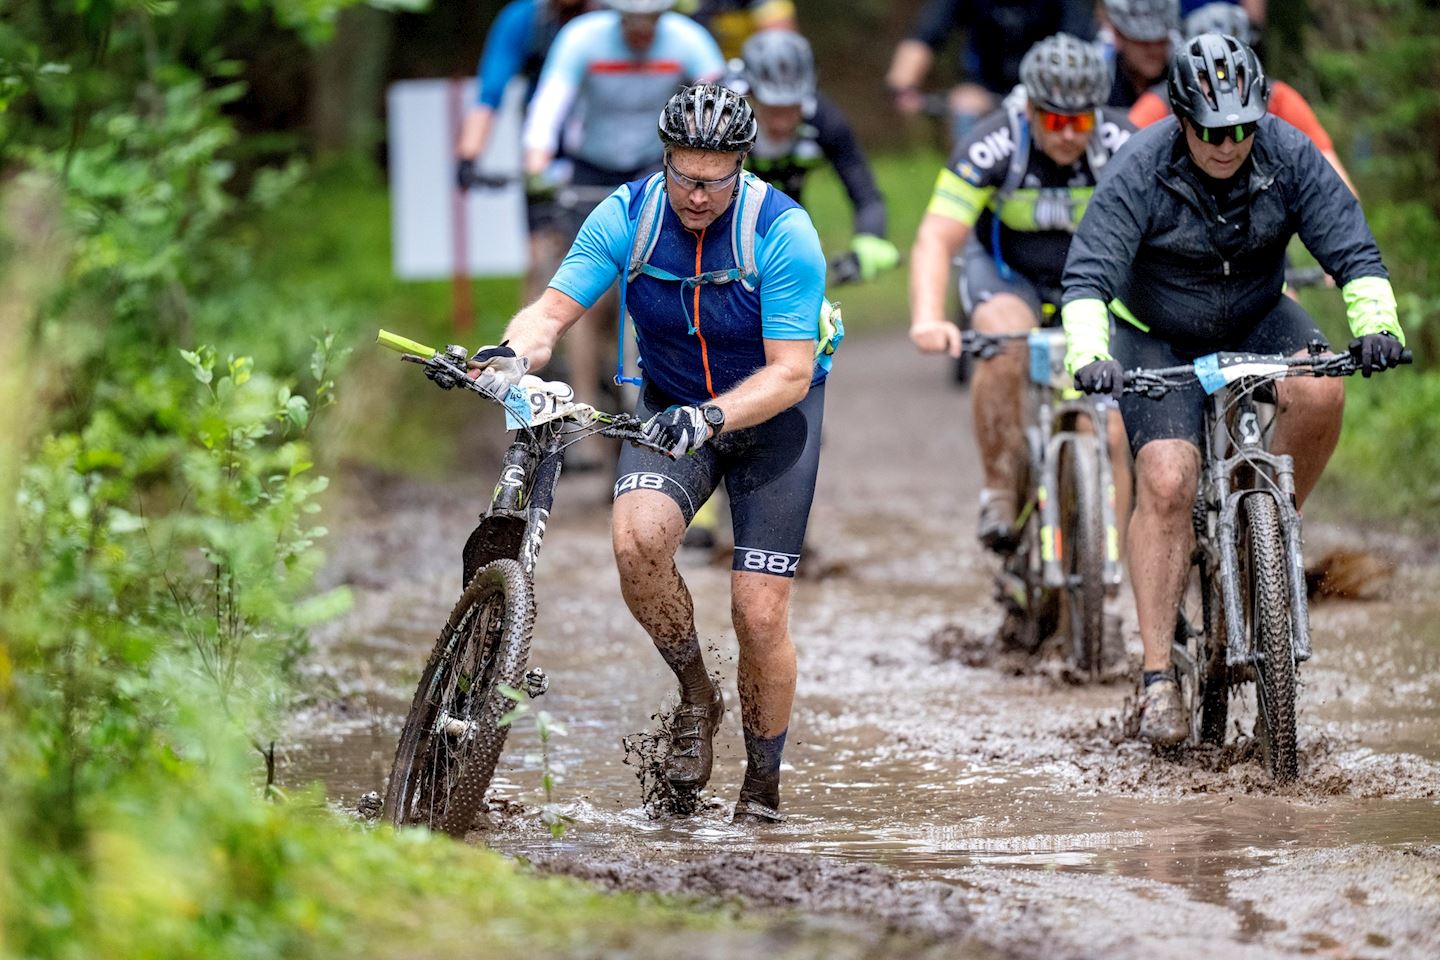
(1012, 196)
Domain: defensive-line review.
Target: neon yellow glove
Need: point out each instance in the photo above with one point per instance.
(875, 254)
(1087, 333)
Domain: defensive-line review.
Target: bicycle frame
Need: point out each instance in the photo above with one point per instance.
(514, 525)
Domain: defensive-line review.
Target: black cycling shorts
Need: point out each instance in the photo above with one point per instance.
(980, 280)
(769, 472)
(1180, 414)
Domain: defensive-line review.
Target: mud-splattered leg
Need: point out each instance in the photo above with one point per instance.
(1161, 537)
(647, 528)
(760, 608)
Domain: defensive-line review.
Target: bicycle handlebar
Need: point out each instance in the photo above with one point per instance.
(448, 370)
(1156, 382)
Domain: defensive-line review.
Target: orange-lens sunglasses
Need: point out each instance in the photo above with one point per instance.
(1056, 122)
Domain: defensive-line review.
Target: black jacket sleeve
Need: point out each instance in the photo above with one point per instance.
(1115, 221)
(936, 21)
(842, 150)
(1330, 223)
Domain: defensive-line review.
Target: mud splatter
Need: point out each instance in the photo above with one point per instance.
(646, 753)
(991, 650)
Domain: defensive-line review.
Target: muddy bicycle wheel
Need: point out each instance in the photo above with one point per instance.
(1270, 636)
(452, 738)
(1081, 548)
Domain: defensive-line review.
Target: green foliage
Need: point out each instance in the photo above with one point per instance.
(1376, 67)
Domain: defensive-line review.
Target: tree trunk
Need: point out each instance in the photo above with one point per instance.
(347, 85)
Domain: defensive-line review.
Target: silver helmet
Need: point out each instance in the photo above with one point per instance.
(779, 68)
(1221, 17)
(1064, 74)
(1144, 20)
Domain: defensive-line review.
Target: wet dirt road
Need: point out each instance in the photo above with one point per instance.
(979, 804)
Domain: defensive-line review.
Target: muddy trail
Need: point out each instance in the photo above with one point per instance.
(933, 786)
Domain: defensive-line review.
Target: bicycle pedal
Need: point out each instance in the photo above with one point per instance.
(536, 682)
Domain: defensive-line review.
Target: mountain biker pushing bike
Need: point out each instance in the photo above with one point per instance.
(800, 128)
(724, 278)
(1012, 196)
(1189, 230)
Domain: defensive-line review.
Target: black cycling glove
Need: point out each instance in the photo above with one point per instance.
(500, 369)
(465, 174)
(678, 431)
(1101, 376)
(1376, 351)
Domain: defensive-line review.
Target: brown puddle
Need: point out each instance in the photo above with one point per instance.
(939, 797)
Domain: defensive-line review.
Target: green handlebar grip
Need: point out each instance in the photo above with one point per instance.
(401, 345)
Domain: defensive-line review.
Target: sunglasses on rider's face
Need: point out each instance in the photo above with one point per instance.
(1239, 132)
(709, 186)
(1056, 122)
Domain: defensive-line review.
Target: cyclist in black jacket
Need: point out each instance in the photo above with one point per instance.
(1188, 230)
(800, 129)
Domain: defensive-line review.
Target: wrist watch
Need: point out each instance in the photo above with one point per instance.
(714, 417)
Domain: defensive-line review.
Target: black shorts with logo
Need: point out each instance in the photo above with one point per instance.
(769, 472)
(1180, 414)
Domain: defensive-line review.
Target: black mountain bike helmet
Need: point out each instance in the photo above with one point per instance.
(708, 116)
(1064, 74)
(1217, 81)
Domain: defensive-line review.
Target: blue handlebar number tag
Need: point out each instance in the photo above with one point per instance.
(517, 409)
(1039, 358)
(1207, 371)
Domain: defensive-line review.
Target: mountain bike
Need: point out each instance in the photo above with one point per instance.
(1067, 560)
(455, 730)
(1247, 569)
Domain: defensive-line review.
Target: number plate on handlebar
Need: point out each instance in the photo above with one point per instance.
(1217, 370)
(1047, 358)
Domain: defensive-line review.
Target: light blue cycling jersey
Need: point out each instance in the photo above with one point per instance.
(617, 94)
(700, 340)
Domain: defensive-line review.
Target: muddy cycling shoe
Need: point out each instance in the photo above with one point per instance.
(1162, 716)
(996, 526)
(755, 813)
(691, 730)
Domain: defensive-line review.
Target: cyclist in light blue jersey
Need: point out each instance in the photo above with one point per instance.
(724, 278)
(612, 71)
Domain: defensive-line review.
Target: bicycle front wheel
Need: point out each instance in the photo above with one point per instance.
(453, 737)
(1270, 636)
(1082, 551)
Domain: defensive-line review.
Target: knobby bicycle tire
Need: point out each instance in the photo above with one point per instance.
(1082, 551)
(439, 778)
(1270, 636)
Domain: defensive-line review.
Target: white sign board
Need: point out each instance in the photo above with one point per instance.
(433, 226)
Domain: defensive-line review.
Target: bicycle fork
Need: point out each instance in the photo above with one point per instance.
(1251, 452)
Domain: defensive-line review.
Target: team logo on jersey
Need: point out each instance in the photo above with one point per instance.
(1055, 209)
(993, 148)
(969, 174)
(1112, 136)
